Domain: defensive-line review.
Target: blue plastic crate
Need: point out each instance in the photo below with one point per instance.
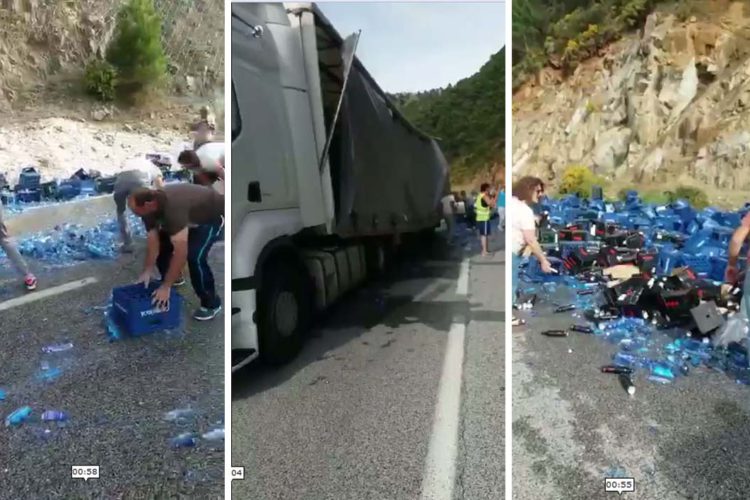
(699, 264)
(88, 188)
(668, 260)
(132, 309)
(29, 196)
(28, 179)
(718, 268)
(68, 190)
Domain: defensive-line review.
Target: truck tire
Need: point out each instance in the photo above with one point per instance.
(377, 259)
(284, 315)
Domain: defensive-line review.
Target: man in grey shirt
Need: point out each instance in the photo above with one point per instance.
(137, 172)
(183, 223)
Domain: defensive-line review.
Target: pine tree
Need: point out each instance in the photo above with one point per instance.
(136, 48)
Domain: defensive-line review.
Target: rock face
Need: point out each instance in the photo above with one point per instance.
(671, 104)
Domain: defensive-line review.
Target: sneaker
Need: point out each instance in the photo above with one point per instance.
(205, 314)
(30, 282)
(126, 249)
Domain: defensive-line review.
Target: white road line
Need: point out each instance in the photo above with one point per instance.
(462, 288)
(440, 469)
(47, 292)
(426, 291)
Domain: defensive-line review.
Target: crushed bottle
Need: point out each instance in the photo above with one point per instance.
(214, 434)
(179, 415)
(18, 417)
(54, 416)
(185, 440)
(57, 348)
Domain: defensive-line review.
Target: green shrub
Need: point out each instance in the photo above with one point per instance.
(100, 80)
(697, 198)
(136, 48)
(657, 197)
(578, 179)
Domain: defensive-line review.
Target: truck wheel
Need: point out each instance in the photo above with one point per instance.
(284, 313)
(377, 259)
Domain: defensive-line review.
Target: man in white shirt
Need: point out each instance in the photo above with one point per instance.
(449, 213)
(136, 172)
(523, 229)
(206, 164)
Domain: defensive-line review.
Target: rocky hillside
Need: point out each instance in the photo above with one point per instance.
(469, 120)
(48, 120)
(666, 105)
(45, 45)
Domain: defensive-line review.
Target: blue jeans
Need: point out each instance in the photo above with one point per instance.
(517, 259)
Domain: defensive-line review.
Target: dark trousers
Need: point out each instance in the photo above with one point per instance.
(200, 241)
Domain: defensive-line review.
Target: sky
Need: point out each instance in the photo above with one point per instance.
(408, 47)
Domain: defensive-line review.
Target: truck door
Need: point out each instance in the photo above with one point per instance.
(262, 159)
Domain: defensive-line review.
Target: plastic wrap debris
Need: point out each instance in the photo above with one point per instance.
(734, 330)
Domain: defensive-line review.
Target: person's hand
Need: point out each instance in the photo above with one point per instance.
(145, 278)
(160, 297)
(547, 267)
(730, 275)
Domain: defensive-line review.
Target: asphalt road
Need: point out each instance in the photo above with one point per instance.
(116, 393)
(573, 426)
(353, 415)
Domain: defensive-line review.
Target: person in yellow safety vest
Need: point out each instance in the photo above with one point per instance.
(483, 206)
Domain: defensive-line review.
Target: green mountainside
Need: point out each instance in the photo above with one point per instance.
(468, 118)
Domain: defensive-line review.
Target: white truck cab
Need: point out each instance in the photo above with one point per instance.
(291, 255)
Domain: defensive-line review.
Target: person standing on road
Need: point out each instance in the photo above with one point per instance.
(501, 209)
(11, 250)
(471, 216)
(526, 191)
(731, 275)
(448, 203)
(203, 130)
(137, 172)
(183, 223)
(483, 206)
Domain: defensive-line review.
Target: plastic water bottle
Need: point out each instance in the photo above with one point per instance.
(185, 440)
(57, 348)
(214, 434)
(662, 370)
(54, 416)
(2, 395)
(18, 417)
(179, 414)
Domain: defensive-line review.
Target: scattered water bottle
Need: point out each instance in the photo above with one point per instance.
(214, 434)
(2, 395)
(184, 440)
(662, 370)
(179, 415)
(49, 374)
(624, 359)
(57, 348)
(18, 417)
(54, 416)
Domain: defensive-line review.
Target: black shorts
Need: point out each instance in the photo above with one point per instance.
(485, 228)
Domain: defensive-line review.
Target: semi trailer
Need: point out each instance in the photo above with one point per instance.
(328, 177)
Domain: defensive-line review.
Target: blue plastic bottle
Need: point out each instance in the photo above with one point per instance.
(18, 417)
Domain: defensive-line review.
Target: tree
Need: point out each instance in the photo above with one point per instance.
(136, 48)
